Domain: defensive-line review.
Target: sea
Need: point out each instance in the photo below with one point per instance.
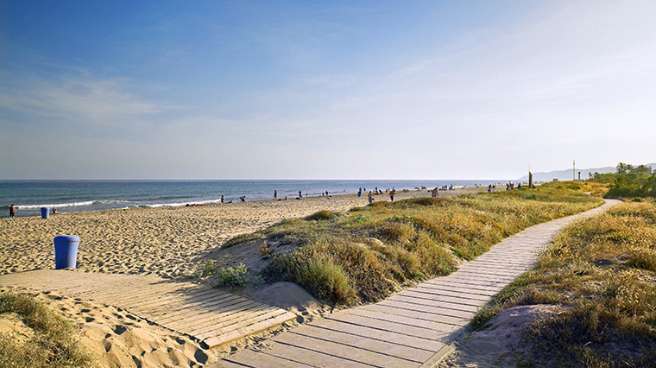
(95, 195)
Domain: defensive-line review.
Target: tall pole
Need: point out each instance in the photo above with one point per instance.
(574, 170)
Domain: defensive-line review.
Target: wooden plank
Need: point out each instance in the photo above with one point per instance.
(472, 285)
(210, 313)
(240, 320)
(255, 359)
(226, 319)
(399, 328)
(372, 333)
(457, 294)
(434, 303)
(250, 330)
(461, 284)
(184, 308)
(408, 321)
(427, 309)
(461, 289)
(356, 341)
(476, 276)
(312, 358)
(228, 364)
(450, 299)
(343, 351)
(414, 314)
(200, 294)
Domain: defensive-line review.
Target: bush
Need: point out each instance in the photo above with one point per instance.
(234, 277)
(322, 216)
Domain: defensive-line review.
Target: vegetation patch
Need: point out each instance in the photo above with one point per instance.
(323, 215)
(233, 277)
(602, 272)
(629, 181)
(52, 342)
(367, 253)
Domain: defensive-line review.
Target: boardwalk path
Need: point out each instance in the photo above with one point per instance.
(412, 328)
(210, 315)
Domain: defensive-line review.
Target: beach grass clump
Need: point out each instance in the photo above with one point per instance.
(367, 253)
(601, 272)
(323, 215)
(50, 343)
(232, 276)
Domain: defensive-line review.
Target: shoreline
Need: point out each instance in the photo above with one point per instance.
(63, 208)
(171, 242)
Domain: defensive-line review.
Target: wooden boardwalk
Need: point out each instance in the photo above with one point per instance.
(210, 315)
(412, 328)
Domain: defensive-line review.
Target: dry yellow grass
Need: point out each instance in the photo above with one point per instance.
(601, 272)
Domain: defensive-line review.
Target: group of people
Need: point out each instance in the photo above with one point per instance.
(511, 186)
(376, 191)
(13, 210)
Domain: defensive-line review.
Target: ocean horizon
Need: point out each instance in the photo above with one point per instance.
(95, 195)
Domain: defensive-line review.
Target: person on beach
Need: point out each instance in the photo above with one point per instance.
(12, 210)
(489, 188)
(221, 198)
(275, 194)
(370, 197)
(434, 192)
(300, 195)
(359, 192)
(242, 198)
(391, 194)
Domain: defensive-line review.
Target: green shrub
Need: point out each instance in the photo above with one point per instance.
(234, 277)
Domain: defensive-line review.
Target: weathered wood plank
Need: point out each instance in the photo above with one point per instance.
(356, 354)
(360, 342)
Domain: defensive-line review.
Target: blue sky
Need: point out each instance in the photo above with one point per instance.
(308, 89)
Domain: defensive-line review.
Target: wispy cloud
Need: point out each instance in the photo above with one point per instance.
(76, 98)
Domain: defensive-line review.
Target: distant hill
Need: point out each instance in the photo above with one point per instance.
(567, 174)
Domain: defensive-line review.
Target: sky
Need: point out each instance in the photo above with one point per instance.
(323, 89)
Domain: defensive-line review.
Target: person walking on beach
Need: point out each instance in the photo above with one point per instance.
(12, 210)
(275, 194)
(359, 192)
(391, 194)
(221, 198)
(370, 197)
(300, 195)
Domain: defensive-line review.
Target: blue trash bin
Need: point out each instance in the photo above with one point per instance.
(45, 211)
(66, 251)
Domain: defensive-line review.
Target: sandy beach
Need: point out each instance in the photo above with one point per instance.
(168, 242)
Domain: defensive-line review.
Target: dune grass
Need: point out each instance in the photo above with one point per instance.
(367, 253)
(52, 344)
(602, 271)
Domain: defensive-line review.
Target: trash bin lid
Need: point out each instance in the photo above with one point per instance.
(70, 238)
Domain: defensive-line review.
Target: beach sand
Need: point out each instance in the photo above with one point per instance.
(168, 242)
(114, 337)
